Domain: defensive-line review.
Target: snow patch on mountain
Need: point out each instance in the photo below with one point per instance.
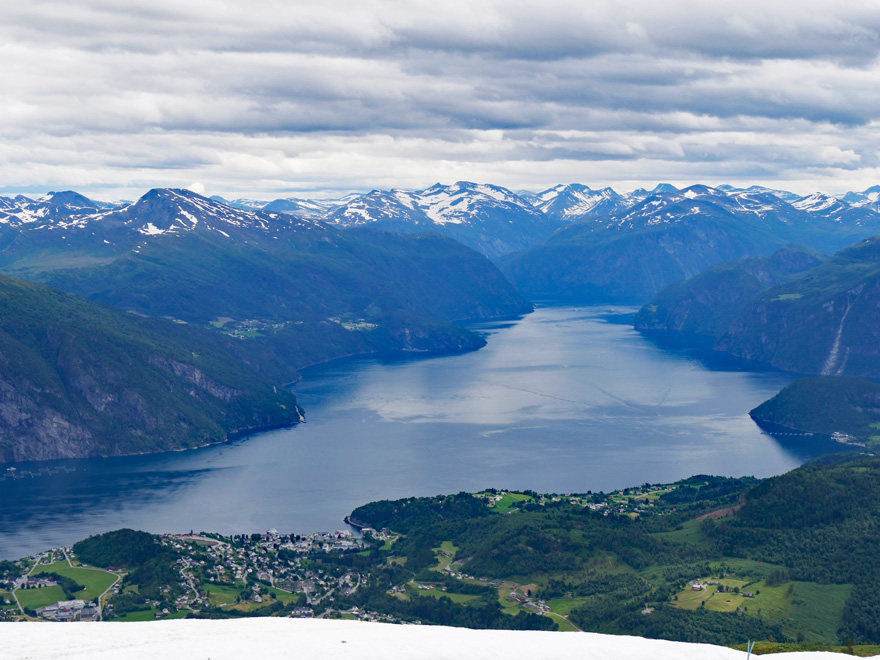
(150, 230)
(818, 202)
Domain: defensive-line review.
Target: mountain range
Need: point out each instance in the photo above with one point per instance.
(268, 293)
(673, 235)
(571, 241)
(272, 291)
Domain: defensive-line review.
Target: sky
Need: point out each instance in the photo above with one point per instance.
(268, 99)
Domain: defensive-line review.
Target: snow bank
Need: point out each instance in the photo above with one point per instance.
(270, 639)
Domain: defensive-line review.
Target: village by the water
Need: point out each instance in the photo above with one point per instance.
(267, 573)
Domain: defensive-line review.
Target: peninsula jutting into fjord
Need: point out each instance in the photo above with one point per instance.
(431, 331)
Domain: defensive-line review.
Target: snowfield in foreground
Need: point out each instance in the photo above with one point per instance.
(273, 638)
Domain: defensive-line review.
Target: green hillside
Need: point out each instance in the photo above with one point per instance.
(306, 299)
(826, 404)
(826, 321)
(708, 303)
(790, 558)
(199, 277)
(81, 379)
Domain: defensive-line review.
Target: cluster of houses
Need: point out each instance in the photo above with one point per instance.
(700, 585)
(261, 557)
(627, 502)
(537, 606)
(365, 615)
(338, 541)
(31, 582)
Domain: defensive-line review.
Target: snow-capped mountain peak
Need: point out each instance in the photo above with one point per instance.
(819, 203)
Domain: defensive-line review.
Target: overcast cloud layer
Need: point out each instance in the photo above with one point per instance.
(264, 98)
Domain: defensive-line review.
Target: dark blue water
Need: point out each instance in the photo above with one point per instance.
(564, 400)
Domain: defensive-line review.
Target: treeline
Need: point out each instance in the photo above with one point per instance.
(699, 626)
(123, 548)
(485, 613)
(559, 541)
(704, 488)
(408, 514)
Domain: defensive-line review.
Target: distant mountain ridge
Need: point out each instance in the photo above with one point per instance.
(307, 290)
(488, 218)
(566, 241)
(664, 237)
(500, 223)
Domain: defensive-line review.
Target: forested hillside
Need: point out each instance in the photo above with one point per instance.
(81, 379)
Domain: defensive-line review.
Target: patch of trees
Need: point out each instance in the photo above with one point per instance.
(707, 489)
(408, 514)
(123, 548)
(68, 585)
(444, 612)
(270, 609)
(699, 626)
(153, 575)
(624, 585)
(124, 603)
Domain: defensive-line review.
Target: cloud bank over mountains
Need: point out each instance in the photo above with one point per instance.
(266, 96)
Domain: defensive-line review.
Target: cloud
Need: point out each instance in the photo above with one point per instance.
(269, 96)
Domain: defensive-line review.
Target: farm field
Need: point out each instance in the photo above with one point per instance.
(34, 598)
(95, 581)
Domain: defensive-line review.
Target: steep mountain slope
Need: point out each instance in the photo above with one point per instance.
(308, 291)
(813, 320)
(824, 322)
(576, 202)
(672, 235)
(80, 379)
(490, 219)
(709, 302)
(660, 240)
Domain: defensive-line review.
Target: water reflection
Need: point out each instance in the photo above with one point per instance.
(567, 399)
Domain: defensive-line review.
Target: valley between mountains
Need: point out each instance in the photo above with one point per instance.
(177, 321)
(189, 310)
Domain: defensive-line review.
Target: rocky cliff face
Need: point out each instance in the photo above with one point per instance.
(836, 334)
(79, 379)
